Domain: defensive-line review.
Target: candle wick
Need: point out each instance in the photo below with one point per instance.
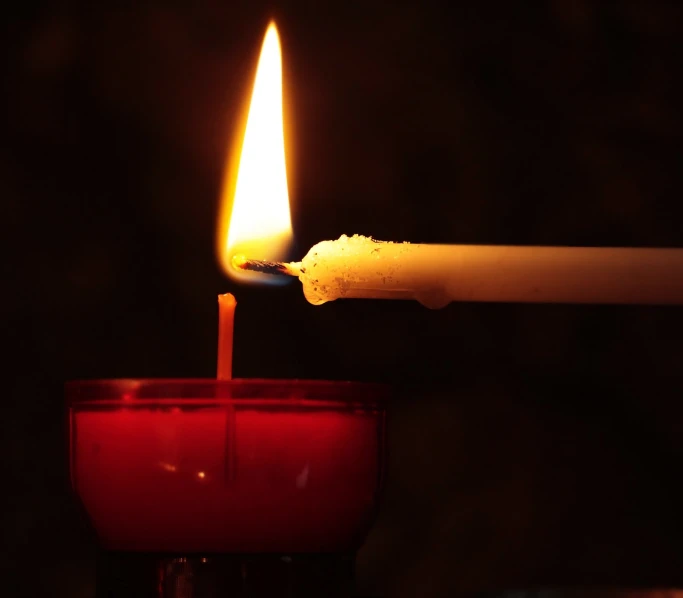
(241, 262)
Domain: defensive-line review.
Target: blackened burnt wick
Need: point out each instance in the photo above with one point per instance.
(241, 262)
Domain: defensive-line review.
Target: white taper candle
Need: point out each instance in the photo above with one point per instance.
(436, 275)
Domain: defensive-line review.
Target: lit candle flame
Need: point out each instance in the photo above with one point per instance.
(255, 218)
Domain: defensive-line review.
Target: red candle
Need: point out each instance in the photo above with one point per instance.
(241, 466)
(228, 466)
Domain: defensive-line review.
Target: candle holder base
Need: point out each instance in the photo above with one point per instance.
(143, 575)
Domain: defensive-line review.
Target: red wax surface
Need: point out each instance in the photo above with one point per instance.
(282, 476)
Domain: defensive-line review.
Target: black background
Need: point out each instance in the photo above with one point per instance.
(530, 445)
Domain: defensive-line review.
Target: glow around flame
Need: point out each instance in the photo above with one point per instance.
(255, 218)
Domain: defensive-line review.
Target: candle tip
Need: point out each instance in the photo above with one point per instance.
(227, 299)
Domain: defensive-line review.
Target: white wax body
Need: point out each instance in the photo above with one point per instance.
(435, 275)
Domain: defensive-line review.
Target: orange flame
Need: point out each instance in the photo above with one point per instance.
(254, 215)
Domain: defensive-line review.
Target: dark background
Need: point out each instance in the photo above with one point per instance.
(530, 445)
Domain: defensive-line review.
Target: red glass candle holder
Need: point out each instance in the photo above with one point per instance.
(262, 482)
